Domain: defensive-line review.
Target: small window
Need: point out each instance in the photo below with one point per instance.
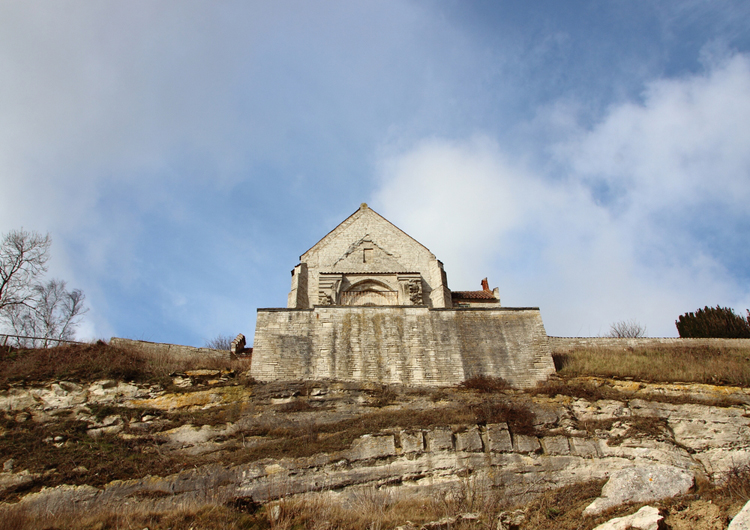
(367, 256)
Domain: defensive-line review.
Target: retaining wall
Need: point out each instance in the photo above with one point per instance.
(175, 351)
(562, 344)
(401, 345)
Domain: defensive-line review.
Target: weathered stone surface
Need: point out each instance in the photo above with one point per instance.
(60, 498)
(498, 438)
(510, 520)
(365, 243)
(447, 523)
(67, 395)
(411, 441)
(601, 410)
(584, 447)
(555, 445)
(544, 415)
(647, 518)
(108, 391)
(10, 480)
(369, 446)
(525, 444)
(238, 344)
(101, 431)
(401, 345)
(17, 399)
(440, 439)
(189, 435)
(741, 521)
(719, 462)
(201, 399)
(469, 441)
(641, 484)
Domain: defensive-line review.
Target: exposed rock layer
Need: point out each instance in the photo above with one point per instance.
(574, 440)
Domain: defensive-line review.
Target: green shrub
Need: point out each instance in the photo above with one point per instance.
(713, 322)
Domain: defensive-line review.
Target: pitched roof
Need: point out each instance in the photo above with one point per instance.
(363, 209)
(472, 295)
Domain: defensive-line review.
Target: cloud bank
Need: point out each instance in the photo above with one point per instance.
(642, 215)
(587, 157)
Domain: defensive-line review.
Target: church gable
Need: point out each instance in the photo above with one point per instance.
(366, 255)
(366, 224)
(367, 260)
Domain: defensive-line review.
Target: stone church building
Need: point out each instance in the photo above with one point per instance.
(370, 303)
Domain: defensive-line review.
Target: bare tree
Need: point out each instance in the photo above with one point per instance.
(220, 342)
(23, 260)
(28, 306)
(626, 329)
(51, 314)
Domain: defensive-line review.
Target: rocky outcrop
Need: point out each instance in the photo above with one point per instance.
(741, 521)
(641, 484)
(645, 449)
(647, 518)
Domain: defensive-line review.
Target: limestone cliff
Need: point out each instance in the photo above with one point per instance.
(339, 437)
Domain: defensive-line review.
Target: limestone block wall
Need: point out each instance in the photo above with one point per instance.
(401, 345)
(158, 349)
(563, 344)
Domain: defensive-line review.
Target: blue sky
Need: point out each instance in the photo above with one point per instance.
(590, 158)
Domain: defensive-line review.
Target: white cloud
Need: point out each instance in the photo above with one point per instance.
(610, 240)
(687, 141)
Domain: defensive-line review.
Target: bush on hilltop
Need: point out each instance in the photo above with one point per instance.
(713, 322)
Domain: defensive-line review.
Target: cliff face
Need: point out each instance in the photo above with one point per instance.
(213, 439)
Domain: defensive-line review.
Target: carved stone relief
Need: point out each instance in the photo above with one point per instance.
(415, 291)
(328, 289)
(410, 286)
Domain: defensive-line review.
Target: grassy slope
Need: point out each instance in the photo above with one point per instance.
(669, 363)
(559, 509)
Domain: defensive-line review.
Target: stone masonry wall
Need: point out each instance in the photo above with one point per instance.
(562, 344)
(401, 345)
(176, 351)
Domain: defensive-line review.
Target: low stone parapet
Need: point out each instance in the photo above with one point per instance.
(564, 344)
(174, 351)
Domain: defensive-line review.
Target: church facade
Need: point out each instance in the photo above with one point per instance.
(370, 303)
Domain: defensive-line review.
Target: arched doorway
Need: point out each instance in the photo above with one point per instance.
(369, 293)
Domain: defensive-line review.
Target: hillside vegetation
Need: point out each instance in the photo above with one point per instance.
(304, 419)
(665, 363)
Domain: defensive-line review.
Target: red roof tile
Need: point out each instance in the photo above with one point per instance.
(473, 295)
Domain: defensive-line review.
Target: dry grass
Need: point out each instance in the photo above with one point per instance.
(562, 509)
(485, 384)
(92, 362)
(365, 507)
(667, 363)
(596, 390)
(84, 362)
(105, 459)
(205, 518)
(732, 488)
(368, 507)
